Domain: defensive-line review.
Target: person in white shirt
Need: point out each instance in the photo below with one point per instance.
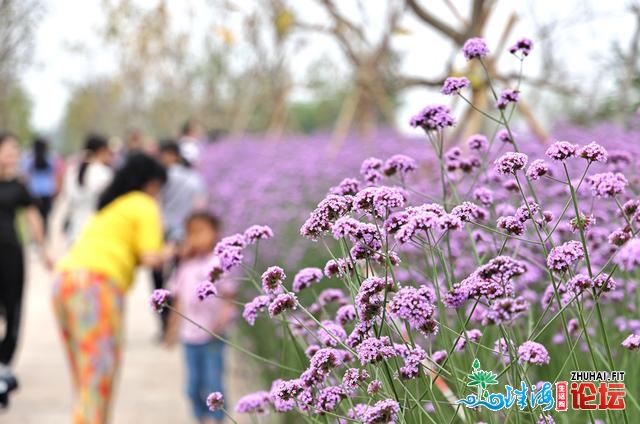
(84, 183)
(190, 143)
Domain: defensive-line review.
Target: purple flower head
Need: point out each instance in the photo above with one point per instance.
(353, 377)
(348, 186)
(478, 142)
(628, 258)
(415, 305)
(281, 303)
(371, 170)
(475, 48)
(562, 150)
(468, 211)
(474, 335)
(483, 195)
(379, 200)
(604, 282)
(374, 387)
(510, 163)
(632, 342)
(607, 184)
(252, 308)
(382, 412)
(413, 358)
(159, 299)
(579, 283)
(215, 401)
(338, 267)
(369, 300)
(619, 237)
(328, 398)
(505, 309)
(287, 390)
(522, 46)
(527, 211)
(563, 256)
(533, 353)
(328, 210)
(325, 359)
(630, 207)
(229, 251)
(537, 169)
(453, 85)
(582, 222)
(504, 136)
(305, 277)
(254, 403)
(205, 290)
(272, 279)
(257, 232)
(507, 96)
(546, 419)
(399, 164)
(374, 350)
(346, 314)
(439, 356)
(331, 333)
(433, 118)
(511, 225)
(501, 349)
(593, 152)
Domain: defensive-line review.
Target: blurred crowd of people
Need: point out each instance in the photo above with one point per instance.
(124, 205)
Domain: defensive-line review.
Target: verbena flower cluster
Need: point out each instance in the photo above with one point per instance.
(521, 254)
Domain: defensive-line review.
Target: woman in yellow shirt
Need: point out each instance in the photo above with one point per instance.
(95, 274)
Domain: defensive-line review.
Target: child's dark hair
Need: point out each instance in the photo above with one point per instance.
(208, 217)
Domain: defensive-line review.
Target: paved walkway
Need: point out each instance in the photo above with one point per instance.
(150, 389)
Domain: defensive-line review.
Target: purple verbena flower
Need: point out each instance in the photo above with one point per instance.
(374, 387)
(632, 342)
(523, 46)
(510, 163)
(433, 118)
(331, 333)
(507, 96)
(579, 283)
(252, 308)
(373, 350)
(206, 289)
(453, 85)
(474, 335)
(504, 136)
(215, 401)
(281, 303)
(382, 412)
(399, 164)
(593, 152)
(483, 195)
(628, 257)
(505, 310)
(353, 377)
(346, 314)
(562, 150)
(607, 184)
(533, 353)
(257, 232)
(254, 403)
(272, 279)
(439, 356)
(563, 256)
(415, 305)
(348, 186)
(371, 170)
(475, 48)
(328, 398)
(159, 299)
(328, 210)
(305, 277)
(478, 142)
(537, 169)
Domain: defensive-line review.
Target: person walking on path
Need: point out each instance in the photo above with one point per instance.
(94, 276)
(44, 173)
(84, 183)
(184, 193)
(203, 354)
(14, 196)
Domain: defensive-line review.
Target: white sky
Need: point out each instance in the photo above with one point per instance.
(584, 36)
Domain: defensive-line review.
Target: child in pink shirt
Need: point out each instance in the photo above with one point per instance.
(203, 353)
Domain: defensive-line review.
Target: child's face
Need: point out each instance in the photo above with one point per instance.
(201, 236)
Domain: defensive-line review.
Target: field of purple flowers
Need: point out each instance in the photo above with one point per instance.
(425, 263)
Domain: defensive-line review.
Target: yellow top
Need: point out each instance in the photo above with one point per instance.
(113, 240)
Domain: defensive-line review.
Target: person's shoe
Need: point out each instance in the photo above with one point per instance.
(8, 383)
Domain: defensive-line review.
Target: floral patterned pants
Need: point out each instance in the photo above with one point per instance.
(89, 309)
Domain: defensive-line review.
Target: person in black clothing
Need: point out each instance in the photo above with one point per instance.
(14, 196)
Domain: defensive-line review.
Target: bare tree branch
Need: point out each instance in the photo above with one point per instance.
(441, 26)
